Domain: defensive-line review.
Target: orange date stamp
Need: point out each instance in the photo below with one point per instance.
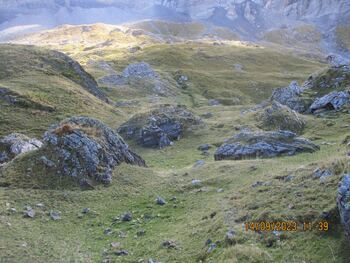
(286, 226)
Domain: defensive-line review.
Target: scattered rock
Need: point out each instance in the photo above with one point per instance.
(263, 145)
(108, 231)
(86, 149)
(322, 174)
(115, 244)
(199, 163)
(29, 212)
(86, 210)
(159, 127)
(48, 163)
(290, 96)
(126, 217)
(40, 205)
(220, 190)
(122, 253)
(55, 215)
(332, 101)
(213, 102)
(15, 144)
(343, 202)
(160, 201)
(207, 115)
(238, 67)
(281, 117)
(212, 247)
(230, 237)
(204, 147)
(169, 244)
(196, 182)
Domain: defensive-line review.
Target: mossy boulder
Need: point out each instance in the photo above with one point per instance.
(279, 117)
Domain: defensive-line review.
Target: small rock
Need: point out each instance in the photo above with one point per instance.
(48, 163)
(151, 261)
(126, 217)
(55, 215)
(86, 210)
(122, 234)
(322, 174)
(213, 102)
(169, 244)
(160, 201)
(108, 231)
(208, 242)
(13, 210)
(258, 183)
(29, 212)
(196, 182)
(288, 178)
(220, 190)
(115, 244)
(291, 206)
(211, 248)
(199, 163)
(207, 115)
(204, 147)
(122, 253)
(40, 205)
(229, 237)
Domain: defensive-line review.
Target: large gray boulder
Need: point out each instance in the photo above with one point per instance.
(86, 149)
(290, 96)
(332, 101)
(343, 202)
(159, 127)
(15, 144)
(247, 145)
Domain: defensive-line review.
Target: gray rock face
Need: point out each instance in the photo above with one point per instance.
(159, 127)
(247, 145)
(337, 61)
(86, 149)
(332, 101)
(112, 80)
(343, 202)
(16, 144)
(290, 96)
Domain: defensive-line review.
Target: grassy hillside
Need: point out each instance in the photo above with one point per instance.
(46, 89)
(224, 200)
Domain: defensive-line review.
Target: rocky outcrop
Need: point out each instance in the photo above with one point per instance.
(332, 101)
(247, 145)
(86, 149)
(74, 71)
(279, 117)
(160, 127)
(343, 202)
(16, 144)
(140, 71)
(290, 96)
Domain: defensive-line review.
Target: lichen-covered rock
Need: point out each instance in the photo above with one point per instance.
(343, 202)
(290, 96)
(247, 145)
(337, 61)
(16, 144)
(280, 117)
(159, 127)
(86, 149)
(332, 101)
